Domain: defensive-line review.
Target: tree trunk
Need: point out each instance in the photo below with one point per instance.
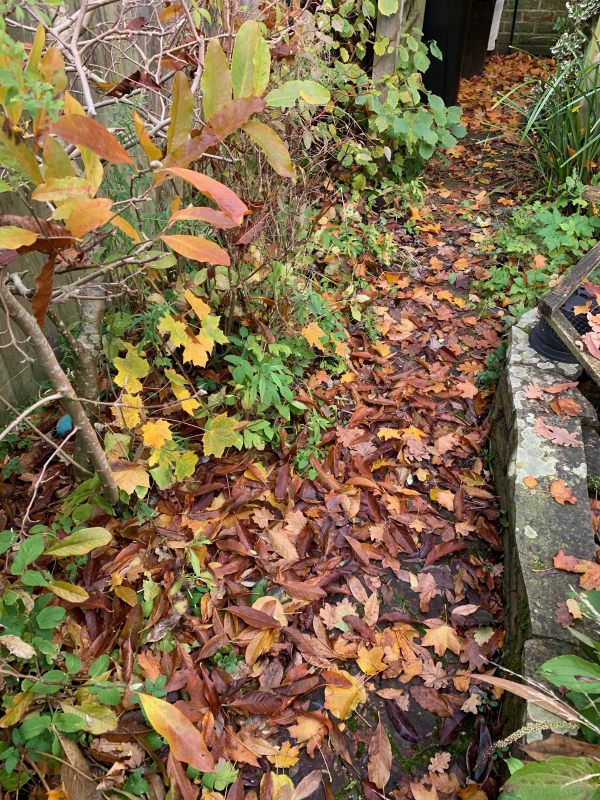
(389, 27)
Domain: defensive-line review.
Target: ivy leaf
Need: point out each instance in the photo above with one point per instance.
(185, 465)
(174, 328)
(156, 433)
(185, 740)
(220, 433)
(314, 334)
(387, 7)
(80, 543)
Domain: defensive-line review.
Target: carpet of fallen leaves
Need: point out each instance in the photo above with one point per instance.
(359, 603)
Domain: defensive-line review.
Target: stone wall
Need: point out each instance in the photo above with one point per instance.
(537, 526)
(534, 29)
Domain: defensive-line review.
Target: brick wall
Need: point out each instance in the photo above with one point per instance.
(534, 30)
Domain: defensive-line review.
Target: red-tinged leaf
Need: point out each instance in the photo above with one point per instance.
(555, 434)
(589, 570)
(228, 201)
(225, 121)
(252, 233)
(257, 703)
(86, 132)
(43, 292)
(380, 758)
(444, 549)
(557, 388)
(314, 651)
(562, 493)
(177, 773)
(254, 617)
(204, 214)
(197, 248)
(442, 704)
(303, 591)
(185, 741)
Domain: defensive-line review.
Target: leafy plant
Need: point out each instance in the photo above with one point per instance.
(562, 126)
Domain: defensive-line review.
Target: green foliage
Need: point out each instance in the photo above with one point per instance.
(563, 125)
(533, 248)
(382, 129)
(564, 776)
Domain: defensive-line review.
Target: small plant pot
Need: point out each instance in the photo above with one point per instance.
(547, 343)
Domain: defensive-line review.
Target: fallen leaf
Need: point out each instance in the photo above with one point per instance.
(562, 493)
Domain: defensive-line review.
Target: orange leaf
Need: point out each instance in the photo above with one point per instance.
(185, 740)
(227, 200)
(43, 291)
(89, 215)
(86, 132)
(197, 248)
(590, 572)
(562, 493)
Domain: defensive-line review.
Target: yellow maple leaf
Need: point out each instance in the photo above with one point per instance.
(129, 370)
(181, 392)
(286, 757)
(441, 639)
(201, 309)
(175, 328)
(156, 433)
(313, 334)
(126, 413)
(343, 699)
(128, 476)
(370, 661)
(306, 728)
(220, 433)
(197, 348)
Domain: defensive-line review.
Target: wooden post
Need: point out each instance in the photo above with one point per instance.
(389, 27)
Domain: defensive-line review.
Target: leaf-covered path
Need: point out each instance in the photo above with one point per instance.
(325, 641)
(369, 593)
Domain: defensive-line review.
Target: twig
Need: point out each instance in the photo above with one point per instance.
(27, 412)
(34, 429)
(40, 479)
(85, 86)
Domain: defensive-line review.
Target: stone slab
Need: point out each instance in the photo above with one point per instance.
(537, 525)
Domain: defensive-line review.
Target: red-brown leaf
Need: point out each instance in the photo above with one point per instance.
(86, 132)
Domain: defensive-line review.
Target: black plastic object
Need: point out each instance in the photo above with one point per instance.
(446, 22)
(547, 343)
(478, 36)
